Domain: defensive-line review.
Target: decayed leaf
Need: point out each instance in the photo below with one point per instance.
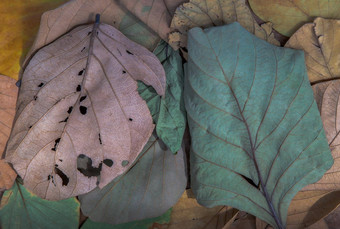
(19, 24)
(206, 13)
(320, 42)
(59, 21)
(308, 207)
(142, 224)
(157, 14)
(78, 101)
(188, 214)
(261, 123)
(21, 209)
(243, 221)
(152, 186)
(8, 97)
(168, 111)
(288, 16)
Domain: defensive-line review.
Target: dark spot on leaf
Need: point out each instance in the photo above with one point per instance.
(62, 175)
(82, 49)
(82, 98)
(41, 84)
(125, 163)
(130, 119)
(35, 97)
(49, 177)
(108, 162)
(56, 142)
(251, 182)
(84, 165)
(78, 88)
(29, 127)
(89, 33)
(56, 165)
(124, 72)
(100, 139)
(81, 72)
(65, 120)
(69, 110)
(83, 110)
(128, 52)
(60, 160)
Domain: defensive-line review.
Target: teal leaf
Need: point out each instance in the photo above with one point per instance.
(153, 185)
(257, 136)
(168, 112)
(141, 224)
(21, 209)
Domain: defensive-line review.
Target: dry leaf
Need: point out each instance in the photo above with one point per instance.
(321, 43)
(8, 97)
(19, 24)
(80, 120)
(57, 22)
(244, 221)
(156, 14)
(188, 214)
(260, 224)
(198, 13)
(308, 207)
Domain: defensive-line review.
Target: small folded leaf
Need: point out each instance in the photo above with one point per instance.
(79, 113)
(21, 209)
(168, 112)
(141, 224)
(257, 136)
(288, 16)
(320, 42)
(156, 14)
(149, 189)
(8, 97)
(207, 13)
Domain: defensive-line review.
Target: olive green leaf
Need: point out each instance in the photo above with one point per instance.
(141, 224)
(288, 16)
(22, 209)
(168, 112)
(153, 185)
(257, 136)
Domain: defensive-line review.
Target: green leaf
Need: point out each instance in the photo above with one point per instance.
(153, 185)
(288, 16)
(21, 209)
(257, 136)
(168, 112)
(141, 224)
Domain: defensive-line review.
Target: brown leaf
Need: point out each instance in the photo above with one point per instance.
(57, 22)
(207, 13)
(80, 120)
(156, 14)
(188, 214)
(321, 43)
(8, 97)
(244, 221)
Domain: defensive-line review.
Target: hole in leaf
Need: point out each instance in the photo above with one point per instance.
(78, 88)
(84, 165)
(108, 162)
(65, 120)
(41, 84)
(83, 110)
(62, 175)
(81, 72)
(100, 139)
(56, 144)
(82, 98)
(251, 182)
(124, 72)
(128, 52)
(35, 97)
(69, 110)
(130, 119)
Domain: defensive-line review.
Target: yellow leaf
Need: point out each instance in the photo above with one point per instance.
(19, 24)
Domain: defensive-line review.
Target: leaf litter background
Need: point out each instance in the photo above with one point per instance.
(315, 201)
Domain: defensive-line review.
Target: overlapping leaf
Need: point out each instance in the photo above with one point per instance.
(78, 100)
(321, 46)
(57, 22)
(150, 188)
(156, 14)
(21, 209)
(288, 16)
(168, 112)
(257, 137)
(206, 13)
(8, 96)
(19, 24)
(142, 224)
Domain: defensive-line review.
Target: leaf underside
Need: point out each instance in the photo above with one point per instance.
(79, 102)
(257, 136)
(152, 186)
